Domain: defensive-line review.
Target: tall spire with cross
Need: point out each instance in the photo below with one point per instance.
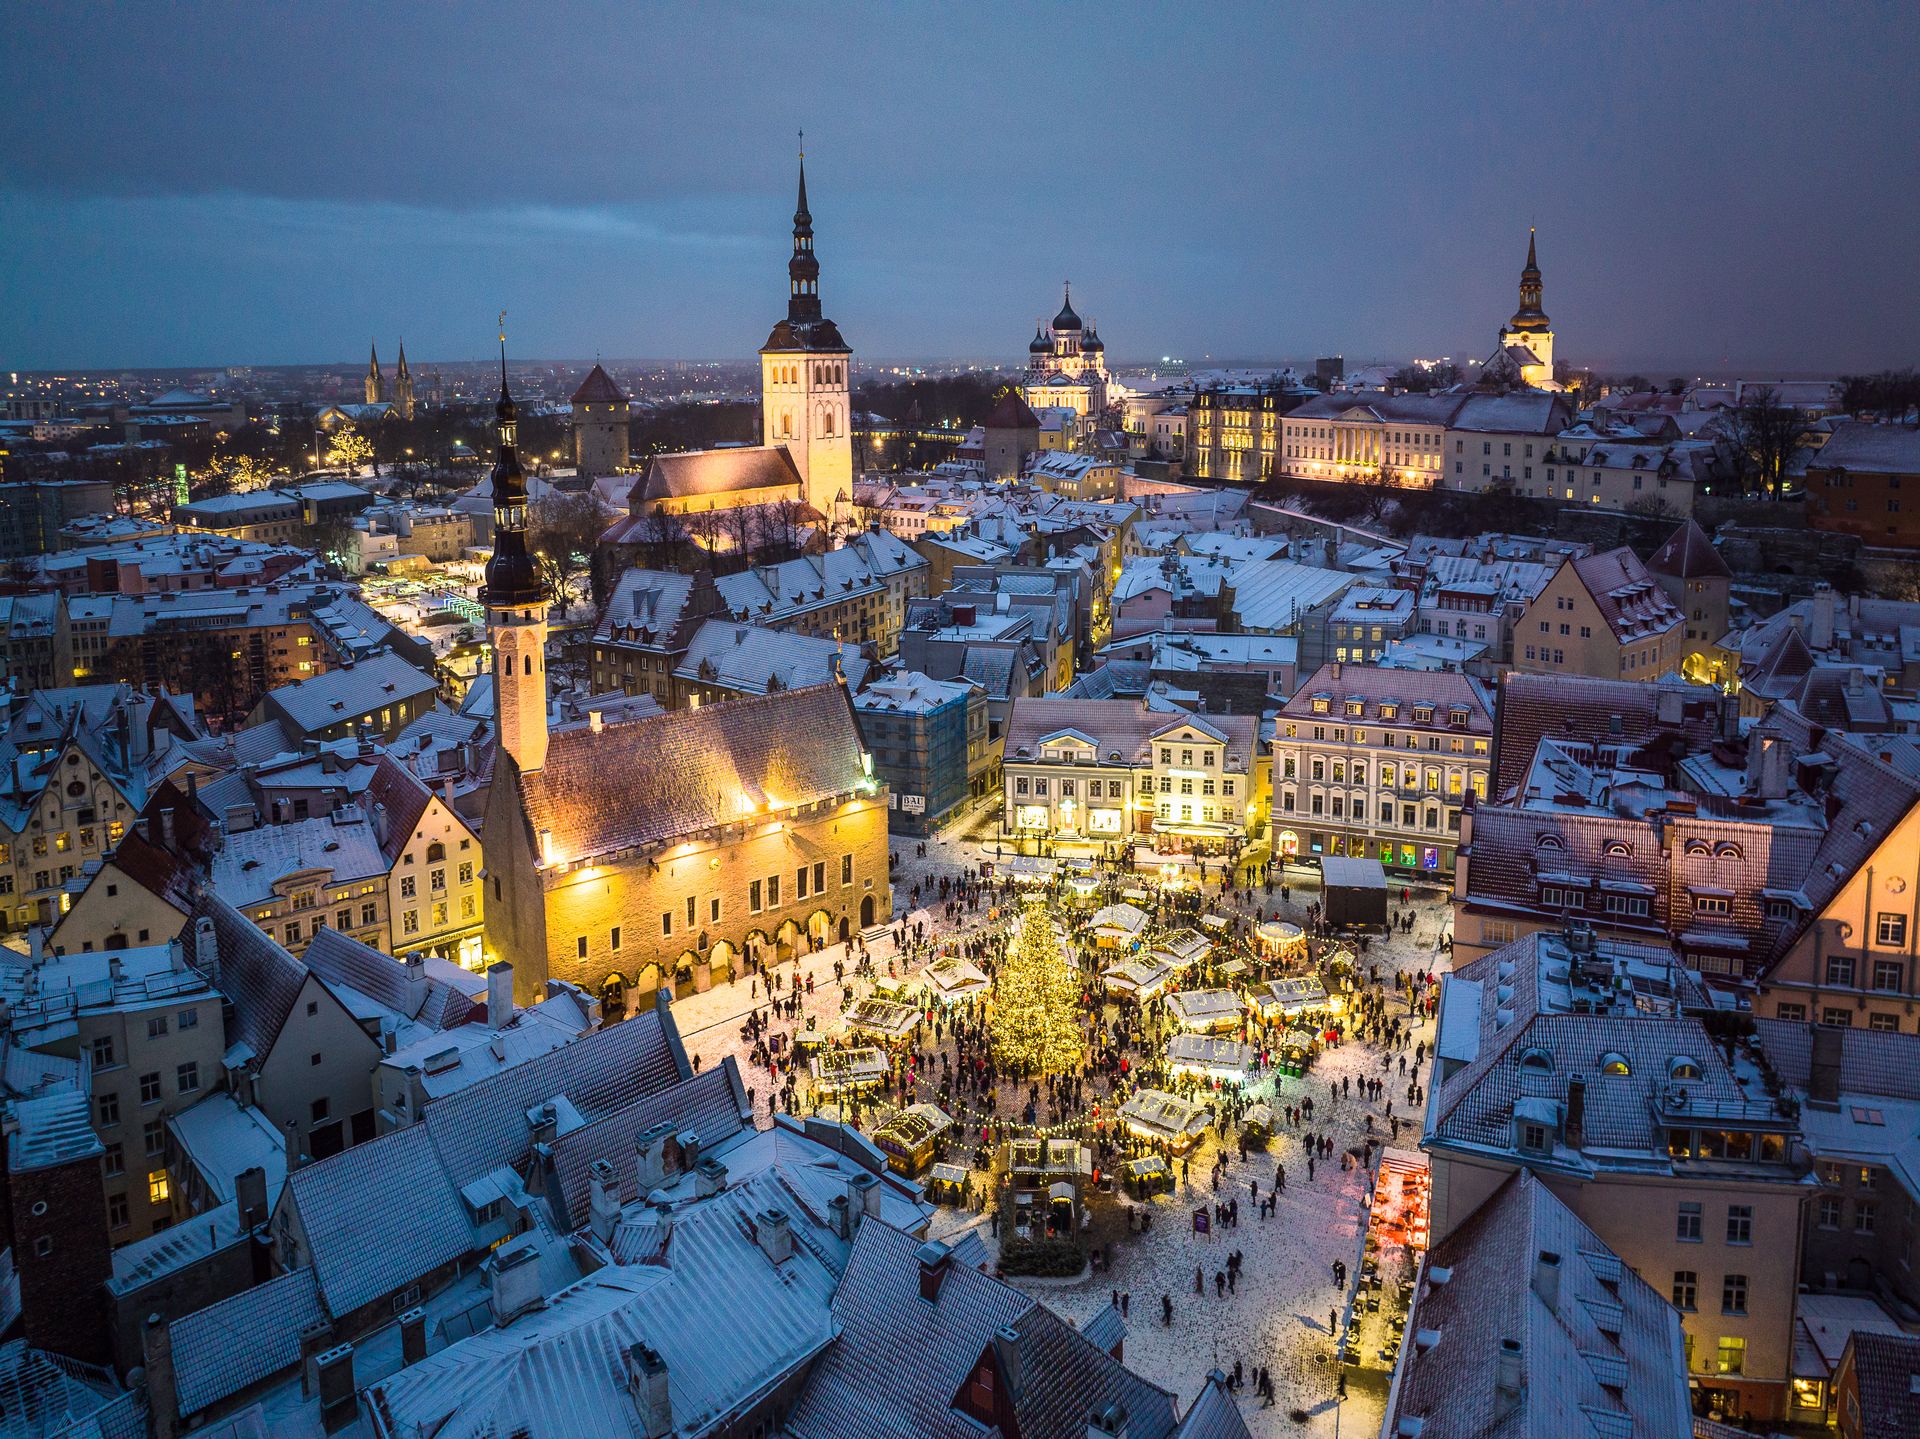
(515, 597)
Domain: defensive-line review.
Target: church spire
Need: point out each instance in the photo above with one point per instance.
(1529, 316)
(401, 369)
(375, 387)
(511, 577)
(803, 270)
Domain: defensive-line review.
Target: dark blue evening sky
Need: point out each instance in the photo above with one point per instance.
(1716, 186)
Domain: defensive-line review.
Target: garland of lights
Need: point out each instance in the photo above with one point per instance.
(1036, 1000)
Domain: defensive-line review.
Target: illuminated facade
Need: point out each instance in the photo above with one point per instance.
(662, 851)
(1067, 366)
(516, 602)
(1525, 356)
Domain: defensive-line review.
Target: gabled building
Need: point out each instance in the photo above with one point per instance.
(1604, 616)
(1696, 579)
(435, 899)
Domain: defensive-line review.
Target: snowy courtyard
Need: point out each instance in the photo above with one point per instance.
(1284, 1297)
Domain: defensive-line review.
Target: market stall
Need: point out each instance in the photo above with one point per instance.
(1118, 926)
(1355, 891)
(1210, 1056)
(1182, 948)
(1280, 999)
(948, 1183)
(1206, 1010)
(1258, 1122)
(1295, 1049)
(1137, 978)
(883, 1019)
(952, 978)
(911, 1139)
(848, 1071)
(1164, 1118)
(1146, 1177)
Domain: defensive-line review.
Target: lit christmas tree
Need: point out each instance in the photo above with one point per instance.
(1036, 1000)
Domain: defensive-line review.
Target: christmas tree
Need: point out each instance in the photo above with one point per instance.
(1036, 1000)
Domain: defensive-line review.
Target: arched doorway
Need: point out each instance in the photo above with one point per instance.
(613, 998)
(722, 959)
(785, 940)
(846, 928)
(866, 911)
(683, 981)
(1288, 844)
(757, 946)
(820, 928)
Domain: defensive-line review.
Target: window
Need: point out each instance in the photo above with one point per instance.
(370, 913)
(666, 921)
(108, 1109)
(116, 1161)
(187, 1077)
(846, 860)
(1687, 1231)
(153, 1134)
(156, 1025)
(1739, 1224)
(1891, 930)
(580, 946)
(150, 1088)
(1732, 1356)
(117, 1216)
(1733, 1294)
(189, 1019)
(1829, 1212)
(1865, 1214)
(407, 883)
(1888, 974)
(1534, 1137)
(1686, 1289)
(466, 872)
(613, 939)
(409, 921)
(103, 1051)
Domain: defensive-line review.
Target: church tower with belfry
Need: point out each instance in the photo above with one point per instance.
(805, 379)
(375, 388)
(516, 601)
(403, 386)
(1530, 331)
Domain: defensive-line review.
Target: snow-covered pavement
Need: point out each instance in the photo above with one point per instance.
(1279, 1312)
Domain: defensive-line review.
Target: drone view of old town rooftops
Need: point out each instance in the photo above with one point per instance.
(622, 820)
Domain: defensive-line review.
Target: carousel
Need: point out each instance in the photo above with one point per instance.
(1163, 1118)
(1210, 1057)
(1282, 942)
(1205, 1011)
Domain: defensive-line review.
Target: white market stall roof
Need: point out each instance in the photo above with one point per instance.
(1031, 868)
(836, 1071)
(882, 1017)
(1349, 872)
(1122, 921)
(954, 977)
(1140, 978)
(1155, 1114)
(1205, 1008)
(1288, 997)
(1209, 1055)
(1184, 947)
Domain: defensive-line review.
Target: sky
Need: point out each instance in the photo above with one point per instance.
(1717, 187)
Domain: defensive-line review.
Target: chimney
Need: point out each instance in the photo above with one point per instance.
(315, 1339)
(689, 1142)
(595, 720)
(1107, 1421)
(413, 1337)
(1820, 627)
(543, 1123)
(863, 1200)
(647, 1383)
(1574, 1125)
(709, 1177)
(650, 1158)
(339, 1402)
(935, 1260)
(250, 1191)
(1006, 1348)
(295, 1158)
(1546, 1279)
(416, 964)
(515, 1273)
(163, 1396)
(1823, 1071)
(499, 994)
(837, 1217)
(603, 1200)
(774, 1234)
(1506, 1377)
(206, 953)
(260, 1244)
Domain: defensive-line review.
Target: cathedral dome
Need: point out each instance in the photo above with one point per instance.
(1093, 342)
(1041, 344)
(1066, 319)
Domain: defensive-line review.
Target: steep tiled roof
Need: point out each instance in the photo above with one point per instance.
(1689, 555)
(1872, 1061)
(599, 389)
(229, 1346)
(719, 472)
(1886, 1368)
(1375, 685)
(1630, 600)
(403, 799)
(1012, 413)
(1535, 706)
(1580, 1379)
(640, 782)
(431, 1000)
(1213, 1414)
(1065, 1376)
(709, 1104)
(259, 976)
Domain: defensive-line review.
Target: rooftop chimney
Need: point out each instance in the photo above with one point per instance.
(838, 1211)
(1823, 1071)
(1575, 1124)
(156, 1356)
(647, 1383)
(206, 953)
(515, 1273)
(650, 1158)
(315, 1340)
(1006, 1348)
(339, 1402)
(250, 1192)
(935, 1260)
(499, 994)
(413, 1337)
(774, 1234)
(1546, 1279)
(604, 1200)
(863, 1200)
(709, 1177)
(1507, 1376)
(1108, 1421)
(1820, 626)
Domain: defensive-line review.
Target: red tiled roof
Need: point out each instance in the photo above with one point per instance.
(599, 389)
(1630, 600)
(720, 472)
(1533, 707)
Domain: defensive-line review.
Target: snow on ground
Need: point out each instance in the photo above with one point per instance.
(1279, 1314)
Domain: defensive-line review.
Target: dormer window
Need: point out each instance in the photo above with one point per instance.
(1681, 1067)
(1615, 1063)
(1423, 714)
(1537, 1060)
(1389, 711)
(1321, 704)
(1533, 1137)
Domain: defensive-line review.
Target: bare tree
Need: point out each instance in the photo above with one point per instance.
(562, 530)
(1769, 433)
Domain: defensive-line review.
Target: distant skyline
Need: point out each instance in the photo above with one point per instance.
(1717, 188)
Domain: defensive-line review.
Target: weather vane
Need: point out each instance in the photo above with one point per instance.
(803, 144)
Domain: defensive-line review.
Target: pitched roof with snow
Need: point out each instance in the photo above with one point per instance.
(1629, 599)
(599, 389)
(699, 473)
